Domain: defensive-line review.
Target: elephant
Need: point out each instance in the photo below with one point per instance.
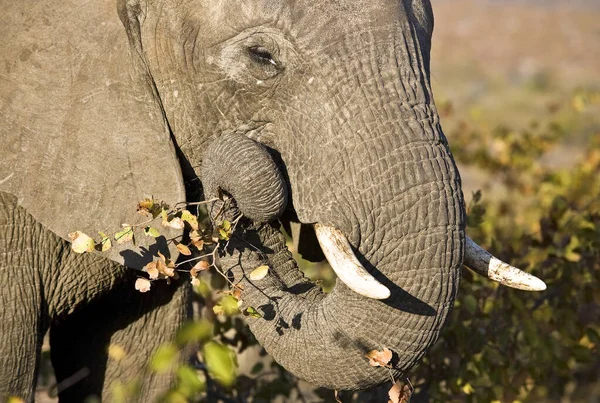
(316, 115)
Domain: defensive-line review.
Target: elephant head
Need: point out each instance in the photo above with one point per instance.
(338, 92)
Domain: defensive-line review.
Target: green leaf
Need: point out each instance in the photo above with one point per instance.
(151, 232)
(223, 235)
(470, 304)
(226, 225)
(251, 311)
(197, 331)
(229, 304)
(257, 368)
(125, 391)
(125, 235)
(174, 396)
(189, 381)
(224, 230)
(105, 243)
(164, 358)
(220, 362)
(593, 336)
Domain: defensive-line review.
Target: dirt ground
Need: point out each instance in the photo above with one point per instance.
(485, 52)
(507, 62)
(518, 39)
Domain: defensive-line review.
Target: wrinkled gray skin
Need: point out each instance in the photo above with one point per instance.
(339, 93)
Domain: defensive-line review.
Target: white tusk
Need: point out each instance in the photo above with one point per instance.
(482, 262)
(340, 256)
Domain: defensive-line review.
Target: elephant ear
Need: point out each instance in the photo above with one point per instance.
(83, 132)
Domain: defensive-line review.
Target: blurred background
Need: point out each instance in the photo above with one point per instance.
(517, 85)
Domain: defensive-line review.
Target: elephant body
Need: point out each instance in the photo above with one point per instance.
(106, 103)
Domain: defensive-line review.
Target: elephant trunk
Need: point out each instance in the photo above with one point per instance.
(414, 249)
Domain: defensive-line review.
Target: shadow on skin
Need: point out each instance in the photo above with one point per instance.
(134, 259)
(399, 298)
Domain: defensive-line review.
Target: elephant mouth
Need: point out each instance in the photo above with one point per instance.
(351, 272)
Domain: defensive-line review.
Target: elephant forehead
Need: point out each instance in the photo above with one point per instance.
(317, 21)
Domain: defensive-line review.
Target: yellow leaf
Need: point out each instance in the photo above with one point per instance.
(468, 389)
(142, 285)
(189, 218)
(226, 225)
(105, 242)
(81, 243)
(223, 235)
(379, 358)
(259, 273)
(145, 206)
(116, 352)
(151, 232)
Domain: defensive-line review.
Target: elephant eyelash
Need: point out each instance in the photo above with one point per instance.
(261, 55)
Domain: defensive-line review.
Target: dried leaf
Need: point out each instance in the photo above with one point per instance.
(151, 232)
(195, 236)
(379, 358)
(400, 393)
(176, 223)
(145, 206)
(198, 267)
(165, 269)
(152, 270)
(142, 285)
(335, 394)
(195, 281)
(259, 273)
(183, 249)
(189, 218)
(198, 244)
(125, 235)
(81, 243)
(237, 293)
(165, 266)
(151, 208)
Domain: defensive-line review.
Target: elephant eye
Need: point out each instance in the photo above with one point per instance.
(261, 55)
